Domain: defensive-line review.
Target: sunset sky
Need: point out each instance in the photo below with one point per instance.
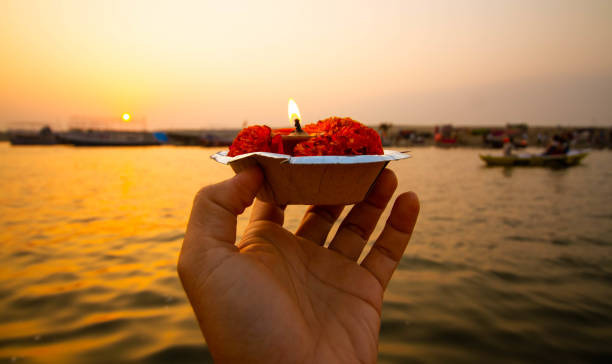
(207, 64)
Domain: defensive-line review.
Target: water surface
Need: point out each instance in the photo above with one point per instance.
(505, 265)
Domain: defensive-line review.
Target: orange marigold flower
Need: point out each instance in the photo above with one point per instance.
(339, 136)
(256, 138)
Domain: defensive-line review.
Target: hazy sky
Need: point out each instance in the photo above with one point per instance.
(218, 63)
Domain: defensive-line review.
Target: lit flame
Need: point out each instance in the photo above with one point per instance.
(294, 112)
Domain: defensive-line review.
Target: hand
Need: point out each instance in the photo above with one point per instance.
(275, 296)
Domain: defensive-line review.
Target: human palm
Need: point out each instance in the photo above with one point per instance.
(275, 296)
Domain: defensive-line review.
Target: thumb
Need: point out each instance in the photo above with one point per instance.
(215, 210)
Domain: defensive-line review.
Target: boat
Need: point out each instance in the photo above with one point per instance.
(572, 158)
(446, 136)
(44, 136)
(115, 138)
(213, 138)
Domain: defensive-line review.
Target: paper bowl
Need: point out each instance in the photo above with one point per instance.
(320, 180)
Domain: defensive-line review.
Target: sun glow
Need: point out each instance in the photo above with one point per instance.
(126, 117)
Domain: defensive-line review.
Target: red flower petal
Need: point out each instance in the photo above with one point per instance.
(255, 138)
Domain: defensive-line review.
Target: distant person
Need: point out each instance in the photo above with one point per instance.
(488, 139)
(566, 143)
(278, 296)
(437, 134)
(540, 139)
(555, 147)
(508, 145)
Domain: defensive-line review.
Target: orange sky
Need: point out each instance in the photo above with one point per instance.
(218, 63)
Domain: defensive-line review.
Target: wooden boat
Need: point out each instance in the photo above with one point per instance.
(572, 158)
(114, 138)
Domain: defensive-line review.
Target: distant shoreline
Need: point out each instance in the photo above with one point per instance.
(466, 136)
(425, 135)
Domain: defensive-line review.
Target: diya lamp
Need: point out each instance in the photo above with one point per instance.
(310, 179)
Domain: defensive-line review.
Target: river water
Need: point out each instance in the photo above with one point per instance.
(505, 265)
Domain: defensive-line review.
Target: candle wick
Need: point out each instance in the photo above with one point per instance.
(298, 127)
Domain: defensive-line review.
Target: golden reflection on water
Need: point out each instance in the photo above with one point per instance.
(90, 238)
(84, 227)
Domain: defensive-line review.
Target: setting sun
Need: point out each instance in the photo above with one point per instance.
(126, 117)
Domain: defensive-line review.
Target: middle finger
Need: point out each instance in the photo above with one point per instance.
(318, 221)
(359, 224)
